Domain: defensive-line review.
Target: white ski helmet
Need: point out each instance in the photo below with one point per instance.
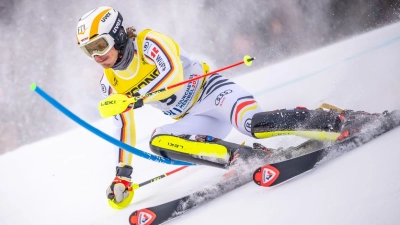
(99, 30)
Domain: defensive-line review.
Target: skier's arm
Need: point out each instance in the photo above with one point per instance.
(162, 51)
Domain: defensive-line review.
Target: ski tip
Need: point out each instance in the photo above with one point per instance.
(142, 217)
(133, 218)
(257, 176)
(265, 176)
(33, 86)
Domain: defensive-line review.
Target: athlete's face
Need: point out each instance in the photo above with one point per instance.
(108, 60)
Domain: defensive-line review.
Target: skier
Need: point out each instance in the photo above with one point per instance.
(205, 109)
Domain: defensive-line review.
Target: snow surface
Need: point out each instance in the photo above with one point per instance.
(62, 180)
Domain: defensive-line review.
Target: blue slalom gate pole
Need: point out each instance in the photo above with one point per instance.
(103, 135)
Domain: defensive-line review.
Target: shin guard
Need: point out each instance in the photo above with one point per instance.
(318, 124)
(211, 152)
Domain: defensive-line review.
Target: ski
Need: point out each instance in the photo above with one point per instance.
(163, 213)
(277, 173)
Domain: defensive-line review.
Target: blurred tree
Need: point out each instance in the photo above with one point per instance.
(276, 29)
(7, 11)
(352, 17)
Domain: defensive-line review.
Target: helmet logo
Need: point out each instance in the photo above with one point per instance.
(105, 17)
(117, 24)
(81, 29)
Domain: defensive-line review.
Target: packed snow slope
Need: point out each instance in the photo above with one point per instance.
(62, 180)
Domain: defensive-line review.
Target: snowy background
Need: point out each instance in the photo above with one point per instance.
(62, 179)
(38, 44)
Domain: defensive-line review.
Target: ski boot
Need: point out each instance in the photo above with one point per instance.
(244, 158)
(245, 154)
(352, 122)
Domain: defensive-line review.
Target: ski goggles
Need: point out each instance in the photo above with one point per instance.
(99, 46)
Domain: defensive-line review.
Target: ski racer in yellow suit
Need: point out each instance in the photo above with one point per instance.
(205, 109)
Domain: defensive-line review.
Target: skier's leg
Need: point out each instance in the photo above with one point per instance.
(225, 100)
(221, 105)
(183, 140)
(318, 124)
(196, 124)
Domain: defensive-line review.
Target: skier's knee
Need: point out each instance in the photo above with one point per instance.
(158, 130)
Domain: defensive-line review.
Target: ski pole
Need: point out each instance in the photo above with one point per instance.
(118, 103)
(246, 60)
(137, 186)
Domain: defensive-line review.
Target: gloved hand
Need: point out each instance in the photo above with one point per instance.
(120, 192)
